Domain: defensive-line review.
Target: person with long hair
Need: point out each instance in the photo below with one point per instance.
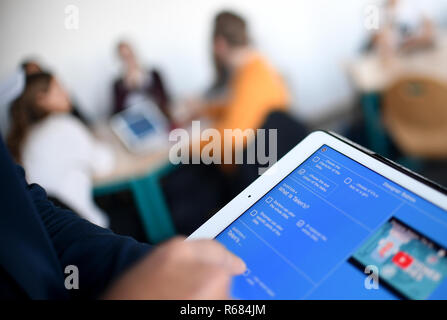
(55, 148)
(31, 66)
(138, 81)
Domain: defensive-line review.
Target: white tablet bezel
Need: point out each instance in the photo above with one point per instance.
(241, 203)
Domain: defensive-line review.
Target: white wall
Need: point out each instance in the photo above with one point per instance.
(306, 40)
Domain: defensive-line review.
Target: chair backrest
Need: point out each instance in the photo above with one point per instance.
(415, 114)
(290, 132)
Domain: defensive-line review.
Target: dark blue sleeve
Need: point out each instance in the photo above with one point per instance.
(99, 254)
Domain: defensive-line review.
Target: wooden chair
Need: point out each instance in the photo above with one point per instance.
(415, 115)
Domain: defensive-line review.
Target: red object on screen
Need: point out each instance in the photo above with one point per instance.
(402, 259)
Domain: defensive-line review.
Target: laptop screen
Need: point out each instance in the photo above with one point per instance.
(334, 229)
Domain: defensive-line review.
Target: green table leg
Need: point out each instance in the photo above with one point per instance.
(377, 137)
(150, 202)
(153, 209)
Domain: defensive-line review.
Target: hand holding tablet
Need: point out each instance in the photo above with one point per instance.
(332, 221)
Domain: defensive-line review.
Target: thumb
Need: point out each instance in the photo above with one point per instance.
(211, 251)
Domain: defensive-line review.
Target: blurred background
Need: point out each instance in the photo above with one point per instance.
(307, 41)
(374, 71)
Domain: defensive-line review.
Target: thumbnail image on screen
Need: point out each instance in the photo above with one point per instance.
(410, 263)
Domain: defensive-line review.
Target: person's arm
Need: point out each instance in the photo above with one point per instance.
(102, 157)
(99, 254)
(199, 108)
(177, 269)
(77, 143)
(159, 91)
(215, 109)
(119, 95)
(117, 267)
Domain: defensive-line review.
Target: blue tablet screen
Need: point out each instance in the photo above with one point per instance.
(139, 124)
(334, 229)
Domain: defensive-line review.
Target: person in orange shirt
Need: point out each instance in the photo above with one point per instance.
(255, 88)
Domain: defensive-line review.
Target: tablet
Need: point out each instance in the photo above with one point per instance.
(332, 220)
(141, 127)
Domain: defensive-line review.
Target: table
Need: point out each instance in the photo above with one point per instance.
(128, 165)
(140, 174)
(372, 73)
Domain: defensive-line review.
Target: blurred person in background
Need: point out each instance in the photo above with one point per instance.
(55, 148)
(222, 77)
(255, 87)
(31, 66)
(136, 80)
(254, 90)
(406, 25)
